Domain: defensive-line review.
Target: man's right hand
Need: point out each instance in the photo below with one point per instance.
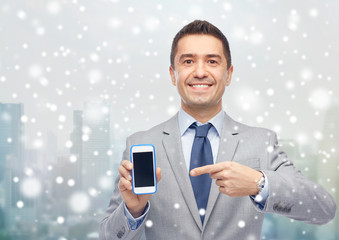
(135, 203)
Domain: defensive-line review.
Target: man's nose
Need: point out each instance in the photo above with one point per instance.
(200, 70)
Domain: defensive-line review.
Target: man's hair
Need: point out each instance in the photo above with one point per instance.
(201, 27)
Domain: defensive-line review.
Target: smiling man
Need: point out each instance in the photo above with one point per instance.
(218, 177)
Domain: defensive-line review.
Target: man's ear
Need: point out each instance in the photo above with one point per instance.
(229, 75)
(174, 81)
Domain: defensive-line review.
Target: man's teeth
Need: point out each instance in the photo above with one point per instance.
(200, 86)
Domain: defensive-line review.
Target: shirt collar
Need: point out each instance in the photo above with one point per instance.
(186, 120)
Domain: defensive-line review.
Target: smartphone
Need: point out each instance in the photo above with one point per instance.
(144, 180)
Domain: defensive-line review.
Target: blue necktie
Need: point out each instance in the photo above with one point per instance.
(201, 155)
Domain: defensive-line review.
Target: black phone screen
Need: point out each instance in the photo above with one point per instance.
(143, 169)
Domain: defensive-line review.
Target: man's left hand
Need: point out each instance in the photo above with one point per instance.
(233, 179)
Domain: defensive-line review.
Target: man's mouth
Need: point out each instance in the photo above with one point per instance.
(200, 85)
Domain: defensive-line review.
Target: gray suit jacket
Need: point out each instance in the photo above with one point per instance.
(173, 211)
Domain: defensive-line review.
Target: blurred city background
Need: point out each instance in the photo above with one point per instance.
(77, 77)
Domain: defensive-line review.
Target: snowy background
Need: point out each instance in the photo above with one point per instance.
(60, 56)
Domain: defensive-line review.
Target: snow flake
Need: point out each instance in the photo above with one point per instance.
(171, 110)
(149, 223)
(38, 143)
(202, 211)
(69, 144)
(60, 220)
(259, 119)
(114, 23)
(306, 74)
(53, 7)
(258, 198)
(293, 20)
(314, 12)
(105, 183)
(290, 85)
(320, 99)
(20, 204)
(241, 224)
(62, 118)
(31, 187)
(151, 23)
(256, 37)
(82, 8)
(21, 15)
(227, 6)
(94, 58)
(293, 119)
(270, 149)
(40, 31)
(136, 30)
(270, 92)
(318, 135)
(59, 180)
(53, 107)
(71, 182)
(79, 202)
(93, 192)
(72, 158)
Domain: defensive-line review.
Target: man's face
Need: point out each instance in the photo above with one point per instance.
(200, 71)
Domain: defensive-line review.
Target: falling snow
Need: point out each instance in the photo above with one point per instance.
(88, 74)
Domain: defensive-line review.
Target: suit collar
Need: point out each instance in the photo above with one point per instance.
(173, 147)
(228, 144)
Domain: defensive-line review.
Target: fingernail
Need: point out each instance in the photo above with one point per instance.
(129, 177)
(192, 173)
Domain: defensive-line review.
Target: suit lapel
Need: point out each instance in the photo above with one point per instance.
(227, 148)
(173, 147)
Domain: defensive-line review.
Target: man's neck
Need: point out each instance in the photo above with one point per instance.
(202, 114)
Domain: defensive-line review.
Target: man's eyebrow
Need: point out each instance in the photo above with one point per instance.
(186, 55)
(190, 55)
(213, 56)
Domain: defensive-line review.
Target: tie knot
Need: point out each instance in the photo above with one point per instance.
(201, 131)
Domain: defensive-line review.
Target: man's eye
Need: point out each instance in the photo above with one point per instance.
(212, 61)
(188, 61)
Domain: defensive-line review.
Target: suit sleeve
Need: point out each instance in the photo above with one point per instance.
(293, 195)
(115, 224)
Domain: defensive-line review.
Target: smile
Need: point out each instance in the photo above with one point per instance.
(200, 85)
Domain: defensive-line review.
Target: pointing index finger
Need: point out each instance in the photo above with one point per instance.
(205, 169)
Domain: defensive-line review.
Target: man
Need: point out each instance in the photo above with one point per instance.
(245, 173)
